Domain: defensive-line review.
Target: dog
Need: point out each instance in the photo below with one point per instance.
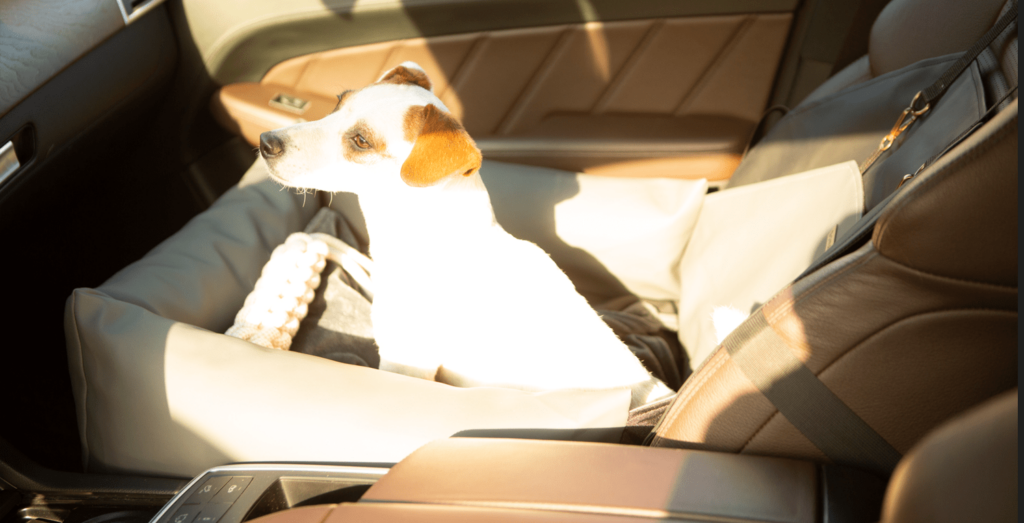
(457, 299)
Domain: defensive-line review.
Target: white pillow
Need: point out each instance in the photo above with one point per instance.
(611, 236)
(751, 241)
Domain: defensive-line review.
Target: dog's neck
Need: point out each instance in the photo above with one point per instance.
(426, 219)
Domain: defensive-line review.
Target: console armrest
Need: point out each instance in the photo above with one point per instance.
(510, 480)
(601, 479)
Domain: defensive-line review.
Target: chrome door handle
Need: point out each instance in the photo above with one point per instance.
(8, 162)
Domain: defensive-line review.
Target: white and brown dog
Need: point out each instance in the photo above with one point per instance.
(456, 298)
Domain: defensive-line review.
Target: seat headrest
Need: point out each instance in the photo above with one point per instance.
(907, 31)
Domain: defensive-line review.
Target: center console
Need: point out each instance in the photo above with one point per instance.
(237, 493)
(470, 479)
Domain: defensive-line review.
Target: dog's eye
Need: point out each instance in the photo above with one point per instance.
(360, 142)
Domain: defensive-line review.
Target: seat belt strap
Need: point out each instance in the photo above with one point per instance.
(804, 400)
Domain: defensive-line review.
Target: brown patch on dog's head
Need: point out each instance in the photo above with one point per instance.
(404, 75)
(441, 148)
(341, 99)
(362, 144)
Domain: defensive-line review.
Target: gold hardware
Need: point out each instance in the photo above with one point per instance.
(906, 178)
(906, 119)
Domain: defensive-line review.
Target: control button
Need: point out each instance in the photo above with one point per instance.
(232, 490)
(185, 514)
(212, 512)
(207, 491)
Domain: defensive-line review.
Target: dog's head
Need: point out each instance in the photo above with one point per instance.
(394, 131)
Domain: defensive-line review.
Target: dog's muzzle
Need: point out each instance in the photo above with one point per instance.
(271, 145)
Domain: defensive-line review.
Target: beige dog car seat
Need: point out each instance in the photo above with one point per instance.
(912, 327)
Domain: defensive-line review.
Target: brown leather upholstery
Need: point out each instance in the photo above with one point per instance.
(402, 513)
(602, 479)
(914, 327)
(965, 471)
(506, 82)
(532, 95)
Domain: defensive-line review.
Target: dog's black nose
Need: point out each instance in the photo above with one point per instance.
(270, 145)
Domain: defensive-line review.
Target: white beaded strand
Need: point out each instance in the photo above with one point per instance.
(272, 312)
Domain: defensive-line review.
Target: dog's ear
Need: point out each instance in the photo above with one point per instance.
(407, 73)
(441, 147)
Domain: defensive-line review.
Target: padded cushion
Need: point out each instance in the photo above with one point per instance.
(160, 391)
(161, 397)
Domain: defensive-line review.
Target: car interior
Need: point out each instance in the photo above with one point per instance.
(843, 173)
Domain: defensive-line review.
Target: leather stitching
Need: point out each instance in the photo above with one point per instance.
(898, 321)
(951, 278)
(627, 67)
(685, 400)
(759, 429)
(682, 402)
(787, 308)
(721, 55)
(508, 121)
(464, 68)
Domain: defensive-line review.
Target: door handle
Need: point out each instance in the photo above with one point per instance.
(9, 163)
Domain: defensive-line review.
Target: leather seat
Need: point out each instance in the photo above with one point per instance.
(966, 470)
(915, 326)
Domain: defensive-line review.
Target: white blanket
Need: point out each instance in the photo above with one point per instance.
(751, 241)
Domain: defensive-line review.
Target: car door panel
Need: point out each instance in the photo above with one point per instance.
(240, 40)
(692, 89)
(40, 39)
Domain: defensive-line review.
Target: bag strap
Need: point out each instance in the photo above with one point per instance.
(932, 94)
(925, 99)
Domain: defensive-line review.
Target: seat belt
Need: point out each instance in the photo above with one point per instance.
(804, 400)
(766, 359)
(795, 391)
(924, 100)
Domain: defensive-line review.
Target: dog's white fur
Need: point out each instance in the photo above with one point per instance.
(457, 299)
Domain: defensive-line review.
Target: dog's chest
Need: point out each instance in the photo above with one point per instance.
(477, 289)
